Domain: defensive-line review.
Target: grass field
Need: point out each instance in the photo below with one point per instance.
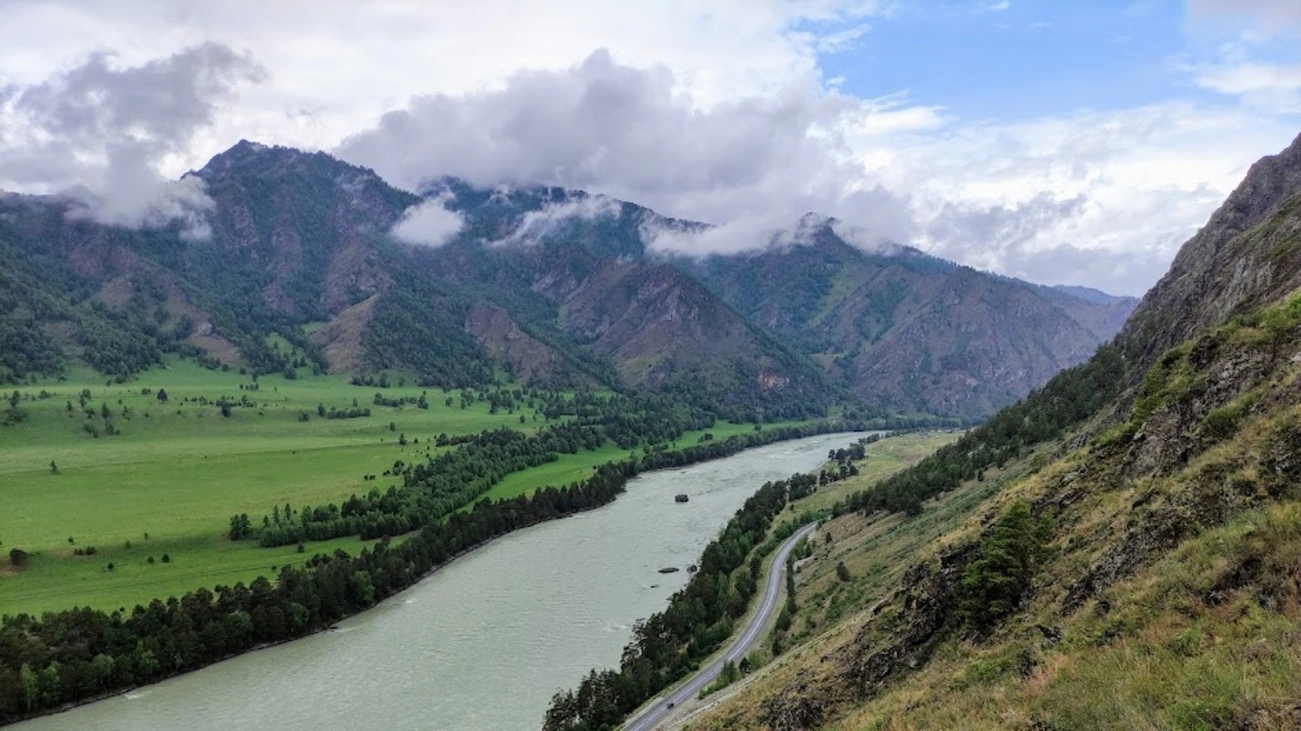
(573, 467)
(569, 468)
(178, 470)
(883, 458)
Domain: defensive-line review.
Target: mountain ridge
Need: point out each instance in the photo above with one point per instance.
(303, 240)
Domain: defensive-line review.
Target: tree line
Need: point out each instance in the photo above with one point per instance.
(447, 482)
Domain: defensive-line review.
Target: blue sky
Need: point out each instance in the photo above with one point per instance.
(1062, 141)
(1032, 58)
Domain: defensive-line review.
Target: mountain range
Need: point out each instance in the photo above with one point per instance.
(546, 285)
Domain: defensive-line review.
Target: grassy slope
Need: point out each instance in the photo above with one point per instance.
(1200, 635)
(884, 458)
(1203, 638)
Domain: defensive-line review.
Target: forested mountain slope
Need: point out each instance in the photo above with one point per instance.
(1120, 548)
(914, 332)
(296, 263)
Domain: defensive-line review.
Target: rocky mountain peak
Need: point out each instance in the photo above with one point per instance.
(1246, 256)
(1269, 181)
(286, 165)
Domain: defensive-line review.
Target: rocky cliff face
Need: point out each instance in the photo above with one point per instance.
(528, 359)
(1247, 255)
(979, 345)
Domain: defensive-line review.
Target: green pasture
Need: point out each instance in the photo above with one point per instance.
(568, 469)
(55, 580)
(177, 471)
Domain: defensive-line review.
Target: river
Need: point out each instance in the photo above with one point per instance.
(485, 642)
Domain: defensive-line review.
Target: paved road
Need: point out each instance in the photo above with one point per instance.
(739, 648)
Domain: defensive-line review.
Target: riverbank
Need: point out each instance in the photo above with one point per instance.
(387, 563)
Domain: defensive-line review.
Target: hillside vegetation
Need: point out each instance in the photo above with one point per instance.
(1133, 566)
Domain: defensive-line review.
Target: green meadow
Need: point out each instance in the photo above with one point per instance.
(177, 471)
(163, 478)
(573, 467)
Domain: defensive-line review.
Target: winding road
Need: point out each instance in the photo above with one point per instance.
(741, 646)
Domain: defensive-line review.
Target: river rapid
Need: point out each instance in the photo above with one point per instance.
(485, 642)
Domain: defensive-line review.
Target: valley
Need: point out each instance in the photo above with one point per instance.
(303, 412)
(530, 611)
(727, 366)
(168, 480)
(309, 460)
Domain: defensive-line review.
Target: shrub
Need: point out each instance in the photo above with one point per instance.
(993, 585)
(842, 572)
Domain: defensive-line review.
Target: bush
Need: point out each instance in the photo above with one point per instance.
(842, 572)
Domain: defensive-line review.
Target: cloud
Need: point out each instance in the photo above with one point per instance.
(328, 54)
(539, 224)
(1272, 87)
(1271, 15)
(1128, 186)
(755, 233)
(740, 235)
(428, 223)
(996, 229)
(631, 133)
(1021, 197)
(99, 133)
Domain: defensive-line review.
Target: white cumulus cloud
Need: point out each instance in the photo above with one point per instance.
(428, 223)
